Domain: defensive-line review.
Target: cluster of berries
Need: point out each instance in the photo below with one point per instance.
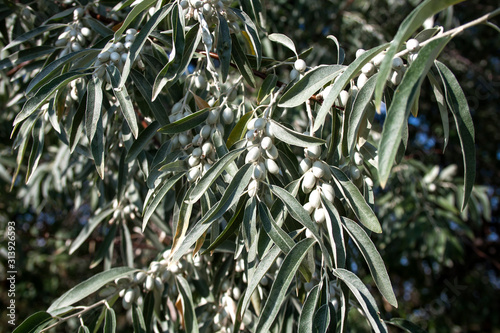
(75, 36)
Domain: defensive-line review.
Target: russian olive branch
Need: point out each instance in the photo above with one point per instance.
(457, 30)
(77, 314)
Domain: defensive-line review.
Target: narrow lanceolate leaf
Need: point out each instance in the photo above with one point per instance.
(42, 95)
(89, 286)
(298, 212)
(399, 111)
(406, 325)
(312, 81)
(229, 198)
(170, 70)
(158, 195)
(308, 310)
(267, 87)
(264, 264)
(224, 47)
(141, 38)
(321, 319)
(51, 70)
(292, 137)
(30, 324)
(349, 73)
(443, 110)
(110, 321)
(33, 33)
(279, 289)
(365, 299)
(97, 147)
(238, 131)
(252, 33)
(283, 40)
(363, 99)
(240, 59)
(94, 105)
(412, 22)
(123, 98)
(356, 201)
(141, 142)
(138, 9)
(88, 228)
(190, 321)
(372, 258)
(186, 123)
(138, 319)
(334, 227)
(211, 175)
(457, 102)
(146, 90)
(26, 55)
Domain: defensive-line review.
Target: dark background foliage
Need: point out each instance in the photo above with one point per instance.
(446, 274)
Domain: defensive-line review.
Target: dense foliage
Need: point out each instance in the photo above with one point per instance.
(215, 173)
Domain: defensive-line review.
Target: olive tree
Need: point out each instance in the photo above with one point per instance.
(231, 190)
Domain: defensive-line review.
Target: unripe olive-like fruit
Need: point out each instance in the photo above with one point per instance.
(308, 182)
(300, 65)
(355, 173)
(131, 31)
(397, 63)
(207, 9)
(61, 42)
(207, 148)
(343, 98)
(123, 57)
(251, 135)
(205, 131)
(305, 165)
(260, 123)
(193, 161)
(378, 59)
(269, 130)
(115, 57)
(293, 74)
(368, 69)
(328, 192)
(75, 47)
(318, 169)
(309, 233)
(272, 167)
(129, 38)
(236, 293)
(228, 115)
(213, 116)
(183, 139)
(369, 181)
(206, 167)
(307, 206)
(158, 284)
(251, 124)
(358, 158)
(139, 277)
(184, 4)
(362, 78)
(412, 45)
(103, 56)
(129, 295)
(196, 152)
(193, 174)
(200, 82)
(315, 199)
(78, 13)
(252, 188)
(259, 173)
(396, 77)
(177, 107)
(100, 72)
(272, 152)
(253, 155)
(196, 3)
(319, 215)
(313, 152)
(126, 305)
(149, 284)
(266, 143)
(118, 46)
(360, 52)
